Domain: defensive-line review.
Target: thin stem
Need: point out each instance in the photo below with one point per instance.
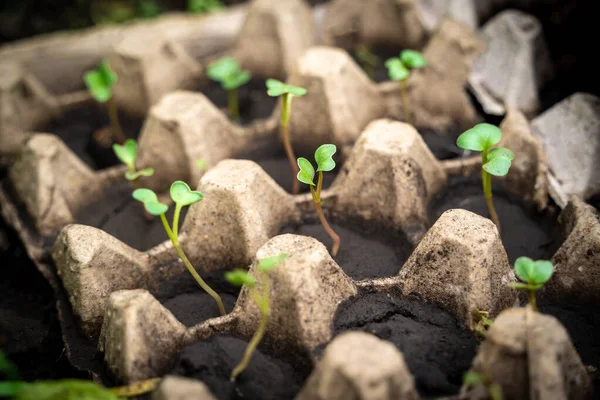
(189, 266)
(234, 107)
(285, 138)
(176, 219)
(486, 179)
(115, 126)
(404, 94)
(532, 301)
(263, 304)
(317, 200)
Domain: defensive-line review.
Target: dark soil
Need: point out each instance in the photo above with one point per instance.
(582, 323)
(366, 252)
(118, 214)
(442, 145)
(525, 232)
(254, 102)
(77, 127)
(189, 303)
(265, 378)
(29, 329)
(436, 348)
(383, 53)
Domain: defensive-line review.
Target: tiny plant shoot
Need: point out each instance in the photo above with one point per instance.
(323, 157)
(99, 83)
(472, 379)
(228, 73)
(183, 196)
(204, 6)
(239, 277)
(127, 154)
(494, 161)
(276, 88)
(481, 322)
(399, 70)
(368, 60)
(534, 273)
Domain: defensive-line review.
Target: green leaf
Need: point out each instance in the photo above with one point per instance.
(133, 175)
(533, 272)
(236, 80)
(127, 152)
(10, 389)
(501, 152)
(108, 75)
(150, 200)
(277, 88)
(148, 9)
(204, 6)
(413, 59)
(323, 157)
(8, 368)
(307, 171)
(100, 81)
(182, 194)
(239, 277)
(272, 262)
(200, 163)
(480, 137)
(543, 271)
(221, 69)
(472, 378)
(497, 166)
(396, 70)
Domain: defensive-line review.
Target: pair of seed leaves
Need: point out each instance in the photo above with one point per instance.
(399, 67)
(127, 154)
(482, 137)
(239, 277)
(180, 193)
(277, 88)
(228, 72)
(533, 273)
(323, 157)
(100, 82)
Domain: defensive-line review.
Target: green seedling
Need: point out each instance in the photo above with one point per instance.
(323, 157)
(127, 154)
(183, 196)
(276, 88)
(148, 9)
(200, 163)
(494, 161)
(239, 277)
(99, 83)
(481, 322)
(534, 274)
(228, 73)
(399, 70)
(367, 59)
(204, 6)
(472, 379)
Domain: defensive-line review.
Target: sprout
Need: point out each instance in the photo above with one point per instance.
(200, 163)
(99, 83)
(227, 71)
(127, 153)
(494, 161)
(276, 88)
(148, 9)
(239, 277)
(534, 273)
(472, 379)
(183, 196)
(399, 70)
(307, 174)
(204, 6)
(481, 322)
(368, 60)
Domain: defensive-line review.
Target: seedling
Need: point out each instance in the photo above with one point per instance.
(204, 6)
(127, 154)
(239, 277)
(368, 60)
(534, 273)
(494, 161)
(276, 88)
(323, 157)
(228, 72)
(183, 196)
(399, 70)
(99, 83)
(481, 322)
(472, 379)
(148, 9)
(200, 163)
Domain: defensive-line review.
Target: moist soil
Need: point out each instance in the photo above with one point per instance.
(77, 127)
(254, 102)
(189, 303)
(437, 349)
(120, 215)
(265, 377)
(366, 251)
(524, 231)
(582, 322)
